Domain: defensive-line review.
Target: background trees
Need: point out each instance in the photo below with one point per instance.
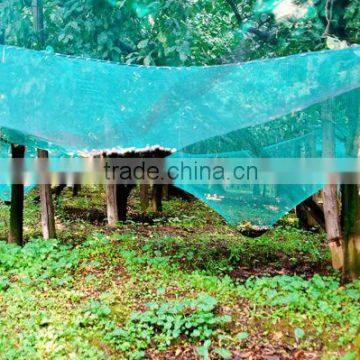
(171, 32)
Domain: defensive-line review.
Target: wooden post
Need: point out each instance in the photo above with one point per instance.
(111, 201)
(166, 192)
(301, 210)
(122, 194)
(332, 225)
(17, 200)
(330, 197)
(308, 212)
(111, 204)
(144, 196)
(116, 199)
(156, 197)
(47, 206)
(75, 189)
(38, 20)
(58, 190)
(314, 210)
(303, 217)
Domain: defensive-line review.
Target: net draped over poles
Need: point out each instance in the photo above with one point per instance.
(258, 109)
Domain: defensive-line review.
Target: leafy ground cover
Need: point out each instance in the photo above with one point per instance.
(181, 284)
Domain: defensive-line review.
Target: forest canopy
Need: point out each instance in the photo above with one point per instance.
(178, 33)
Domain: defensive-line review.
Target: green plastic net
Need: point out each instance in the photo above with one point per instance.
(258, 109)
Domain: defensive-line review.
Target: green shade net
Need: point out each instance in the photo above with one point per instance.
(269, 108)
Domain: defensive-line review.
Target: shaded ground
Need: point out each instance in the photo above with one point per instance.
(202, 289)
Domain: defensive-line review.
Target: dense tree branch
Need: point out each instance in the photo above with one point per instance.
(235, 10)
(125, 48)
(261, 34)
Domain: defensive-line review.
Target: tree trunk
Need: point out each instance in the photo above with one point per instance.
(17, 200)
(2, 34)
(156, 198)
(350, 215)
(330, 198)
(234, 8)
(47, 206)
(351, 231)
(38, 20)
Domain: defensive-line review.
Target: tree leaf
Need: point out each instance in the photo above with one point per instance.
(223, 353)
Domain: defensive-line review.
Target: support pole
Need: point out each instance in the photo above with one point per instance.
(315, 211)
(156, 198)
(122, 195)
(309, 212)
(329, 193)
(166, 192)
(303, 216)
(76, 189)
(111, 200)
(17, 199)
(144, 196)
(111, 204)
(47, 206)
(117, 200)
(332, 225)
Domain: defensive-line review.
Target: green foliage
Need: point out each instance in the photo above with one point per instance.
(163, 324)
(223, 353)
(38, 262)
(318, 300)
(161, 32)
(167, 32)
(242, 336)
(299, 333)
(170, 285)
(217, 254)
(352, 18)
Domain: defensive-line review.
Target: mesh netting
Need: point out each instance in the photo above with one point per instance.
(269, 108)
